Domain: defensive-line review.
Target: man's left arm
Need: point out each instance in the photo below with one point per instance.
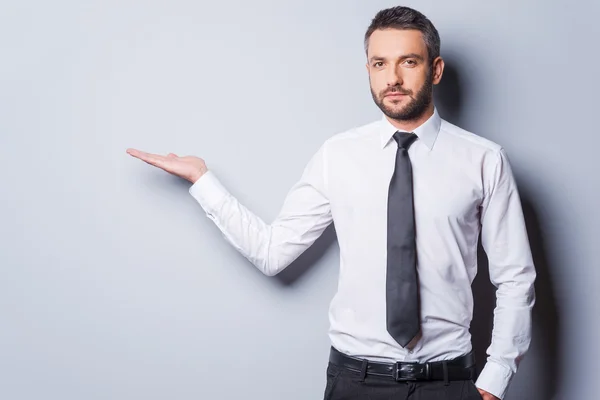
(505, 241)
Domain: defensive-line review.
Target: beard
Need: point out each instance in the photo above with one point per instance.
(415, 108)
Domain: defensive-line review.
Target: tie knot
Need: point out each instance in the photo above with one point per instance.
(404, 139)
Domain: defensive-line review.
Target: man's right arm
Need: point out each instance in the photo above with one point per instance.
(305, 214)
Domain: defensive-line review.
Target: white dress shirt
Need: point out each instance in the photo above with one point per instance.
(463, 185)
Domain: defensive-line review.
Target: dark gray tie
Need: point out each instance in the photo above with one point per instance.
(402, 296)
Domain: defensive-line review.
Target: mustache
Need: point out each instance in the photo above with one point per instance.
(396, 89)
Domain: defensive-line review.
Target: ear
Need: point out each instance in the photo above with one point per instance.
(438, 70)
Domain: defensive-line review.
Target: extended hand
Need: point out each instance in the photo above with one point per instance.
(486, 395)
(189, 167)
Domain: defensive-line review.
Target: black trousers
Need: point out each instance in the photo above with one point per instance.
(345, 384)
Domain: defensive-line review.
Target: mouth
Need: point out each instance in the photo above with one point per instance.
(395, 95)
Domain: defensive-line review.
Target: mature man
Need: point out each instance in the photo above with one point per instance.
(409, 195)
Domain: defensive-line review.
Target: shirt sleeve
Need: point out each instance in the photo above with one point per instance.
(303, 217)
(505, 241)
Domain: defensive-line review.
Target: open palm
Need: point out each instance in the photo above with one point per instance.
(190, 168)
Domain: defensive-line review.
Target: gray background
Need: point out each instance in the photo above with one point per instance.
(114, 284)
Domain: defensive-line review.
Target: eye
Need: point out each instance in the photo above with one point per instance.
(378, 64)
(411, 63)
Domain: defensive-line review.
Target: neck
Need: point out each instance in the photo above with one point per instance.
(411, 125)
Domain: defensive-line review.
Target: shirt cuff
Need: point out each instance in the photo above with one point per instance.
(494, 379)
(208, 191)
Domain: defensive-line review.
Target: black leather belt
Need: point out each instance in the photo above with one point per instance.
(460, 368)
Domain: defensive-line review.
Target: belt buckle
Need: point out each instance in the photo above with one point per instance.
(411, 371)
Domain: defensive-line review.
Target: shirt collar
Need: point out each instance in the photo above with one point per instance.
(427, 132)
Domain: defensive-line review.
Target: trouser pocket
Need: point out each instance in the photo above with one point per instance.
(333, 374)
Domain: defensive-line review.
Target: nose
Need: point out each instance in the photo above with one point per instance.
(393, 77)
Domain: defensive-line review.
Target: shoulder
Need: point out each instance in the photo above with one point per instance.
(489, 157)
(467, 138)
(356, 135)
(473, 146)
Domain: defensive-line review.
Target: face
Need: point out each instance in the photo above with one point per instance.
(400, 74)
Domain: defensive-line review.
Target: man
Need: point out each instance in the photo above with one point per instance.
(409, 195)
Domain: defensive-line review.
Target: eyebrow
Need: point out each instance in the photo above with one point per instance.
(402, 57)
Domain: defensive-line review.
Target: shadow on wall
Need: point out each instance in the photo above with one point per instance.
(292, 273)
(546, 319)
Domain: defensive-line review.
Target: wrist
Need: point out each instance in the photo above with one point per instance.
(194, 178)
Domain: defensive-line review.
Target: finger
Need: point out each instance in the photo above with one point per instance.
(153, 159)
(139, 154)
(156, 160)
(142, 155)
(172, 155)
(132, 151)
